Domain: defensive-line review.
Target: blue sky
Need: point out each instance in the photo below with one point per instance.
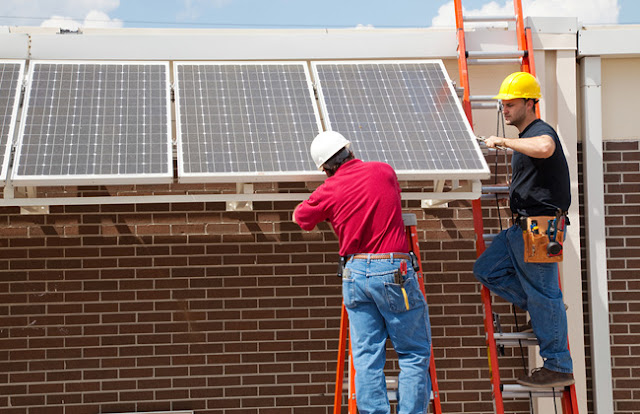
(292, 13)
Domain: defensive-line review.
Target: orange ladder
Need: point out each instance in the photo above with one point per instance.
(410, 223)
(523, 56)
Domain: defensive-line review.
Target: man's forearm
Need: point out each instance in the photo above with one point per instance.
(542, 146)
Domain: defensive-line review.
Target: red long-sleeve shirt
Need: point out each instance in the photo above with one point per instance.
(362, 203)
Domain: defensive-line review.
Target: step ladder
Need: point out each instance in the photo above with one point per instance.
(495, 339)
(410, 222)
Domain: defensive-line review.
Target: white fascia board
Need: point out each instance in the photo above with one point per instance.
(235, 44)
(552, 25)
(14, 46)
(549, 41)
(277, 44)
(609, 41)
(502, 40)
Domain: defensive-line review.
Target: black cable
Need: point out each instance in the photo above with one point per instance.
(495, 180)
(218, 24)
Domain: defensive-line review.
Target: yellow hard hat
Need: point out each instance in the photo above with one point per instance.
(519, 85)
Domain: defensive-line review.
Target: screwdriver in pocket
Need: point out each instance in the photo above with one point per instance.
(403, 272)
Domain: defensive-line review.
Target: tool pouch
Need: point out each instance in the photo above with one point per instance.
(543, 244)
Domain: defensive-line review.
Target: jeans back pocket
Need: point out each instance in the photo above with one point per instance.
(348, 290)
(396, 298)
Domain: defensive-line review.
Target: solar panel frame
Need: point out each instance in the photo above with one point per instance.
(310, 174)
(163, 177)
(11, 112)
(482, 172)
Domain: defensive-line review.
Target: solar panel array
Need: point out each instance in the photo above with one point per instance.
(404, 113)
(95, 122)
(110, 122)
(252, 121)
(11, 73)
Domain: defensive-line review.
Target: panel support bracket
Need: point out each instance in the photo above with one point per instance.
(241, 205)
(470, 186)
(10, 192)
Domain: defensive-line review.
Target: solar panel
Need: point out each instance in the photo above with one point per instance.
(245, 122)
(404, 113)
(95, 123)
(11, 73)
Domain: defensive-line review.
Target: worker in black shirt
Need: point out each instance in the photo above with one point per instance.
(539, 197)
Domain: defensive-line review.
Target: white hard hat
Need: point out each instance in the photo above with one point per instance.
(325, 145)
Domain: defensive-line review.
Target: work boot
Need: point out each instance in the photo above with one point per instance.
(544, 378)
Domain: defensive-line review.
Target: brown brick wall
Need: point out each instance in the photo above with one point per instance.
(622, 208)
(159, 307)
(150, 307)
(186, 306)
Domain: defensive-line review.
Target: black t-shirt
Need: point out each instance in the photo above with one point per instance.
(540, 186)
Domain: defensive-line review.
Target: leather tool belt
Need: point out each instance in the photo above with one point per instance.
(543, 237)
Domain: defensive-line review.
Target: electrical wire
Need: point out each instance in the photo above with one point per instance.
(216, 24)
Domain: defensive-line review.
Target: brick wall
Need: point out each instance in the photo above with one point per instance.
(622, 204)
(159, 307)
(118, 308)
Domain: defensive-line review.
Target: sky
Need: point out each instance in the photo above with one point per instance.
(74, 14)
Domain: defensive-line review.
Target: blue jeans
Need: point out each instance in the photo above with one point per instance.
(532, 287)
(376, 307)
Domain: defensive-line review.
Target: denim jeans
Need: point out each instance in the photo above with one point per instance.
(377, 309)
(533, 287)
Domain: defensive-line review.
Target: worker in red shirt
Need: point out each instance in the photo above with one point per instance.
(361, 200)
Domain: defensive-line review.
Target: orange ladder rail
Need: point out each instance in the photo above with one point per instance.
(525, 44)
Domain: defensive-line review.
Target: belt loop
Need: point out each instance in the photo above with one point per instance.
(391, 257)
(369, 259)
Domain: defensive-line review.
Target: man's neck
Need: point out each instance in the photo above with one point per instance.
(526, 122)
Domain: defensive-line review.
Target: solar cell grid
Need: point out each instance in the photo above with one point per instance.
(244, 120)
(11, 73)
(96, 123)
(403, 113)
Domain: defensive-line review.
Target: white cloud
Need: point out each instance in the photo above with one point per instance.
(587, 11)
(62, 22)
(94, 18)
(59, 10)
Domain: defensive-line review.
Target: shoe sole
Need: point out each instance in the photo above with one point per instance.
(551, 385)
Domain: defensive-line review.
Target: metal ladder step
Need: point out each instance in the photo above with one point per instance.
(495, 58)
(521, 391)
(478, 19)
(482, 98)
(483, 101)
(515, 338)
(516, 61)
(495, 189)
(495, 55)
(484, 105)
(490, 193)
(489, 236)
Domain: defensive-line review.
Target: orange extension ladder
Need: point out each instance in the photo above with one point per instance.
(523, 56)
(410, 223)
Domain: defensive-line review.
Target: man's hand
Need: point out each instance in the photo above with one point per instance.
(495, 142)
(293, 216)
